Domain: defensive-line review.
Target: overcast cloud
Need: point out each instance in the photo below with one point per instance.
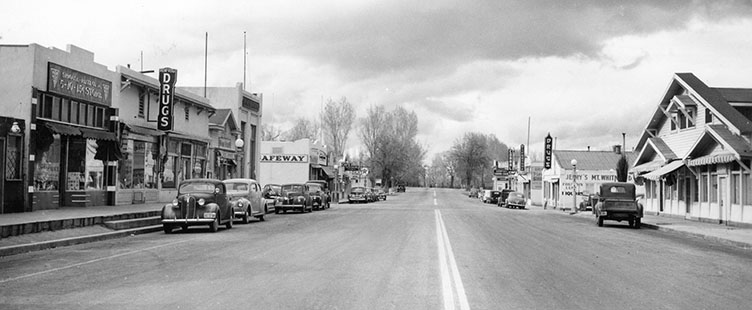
(585, 71)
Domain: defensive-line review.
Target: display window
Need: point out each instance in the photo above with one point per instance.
(47, 165)
(136, 169)
(83, 171)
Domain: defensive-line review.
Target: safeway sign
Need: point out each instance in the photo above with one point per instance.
(167, 78)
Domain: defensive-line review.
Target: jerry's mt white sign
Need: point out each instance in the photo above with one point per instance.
(270, 158)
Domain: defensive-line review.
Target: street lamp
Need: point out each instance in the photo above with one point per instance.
(574, 185)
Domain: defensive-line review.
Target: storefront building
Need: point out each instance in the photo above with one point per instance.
(695, 152)
(294, 162)
(155, 162)
(69, 148)
(593, 168)
(225, 155)
(246, 109)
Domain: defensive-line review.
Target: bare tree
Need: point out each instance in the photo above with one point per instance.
(336, 123)
(303, 128)
(270, 132)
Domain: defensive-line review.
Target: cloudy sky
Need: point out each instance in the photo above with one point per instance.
(585, 71)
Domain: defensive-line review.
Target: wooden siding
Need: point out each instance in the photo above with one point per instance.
(681, 141)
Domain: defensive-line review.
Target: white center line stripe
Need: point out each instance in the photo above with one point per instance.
(450, 280)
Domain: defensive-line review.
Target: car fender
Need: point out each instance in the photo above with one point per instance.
(167, 211)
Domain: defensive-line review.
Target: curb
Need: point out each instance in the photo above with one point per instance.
(23, 248)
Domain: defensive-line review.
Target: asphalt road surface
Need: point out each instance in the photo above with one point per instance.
(423, 249)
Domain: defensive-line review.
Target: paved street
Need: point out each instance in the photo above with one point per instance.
(423, 249)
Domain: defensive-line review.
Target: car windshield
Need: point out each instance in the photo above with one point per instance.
(237, 187)
(197, 188)
(358, 190)
(292, 188)
(314, 187)
(516, 195)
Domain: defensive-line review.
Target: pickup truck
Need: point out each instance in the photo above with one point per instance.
(617, 202)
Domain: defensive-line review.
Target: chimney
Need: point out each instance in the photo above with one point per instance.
(617, 149)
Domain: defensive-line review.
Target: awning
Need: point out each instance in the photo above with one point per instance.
(108, 150)
(329, 171)
(668, 168)
(63, 129)
(522, 179)
(143, 130)
(225, 154)
(98, 134)
(647, 167)
(712, 159)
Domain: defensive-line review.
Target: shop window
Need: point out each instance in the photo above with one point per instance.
(47, 163)
(82, 113)
(90, 116)
(168, 175)
(704, 188)
(13, 158)
(695, 190)
(84, 172)
(125, 165)
(735, 187)
(56, 108)
(144, 161)
(65, 113)
(74, 112)
(141, 103)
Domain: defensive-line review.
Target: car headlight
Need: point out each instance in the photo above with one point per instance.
(201, 202)
(240, 204)
(174, 202)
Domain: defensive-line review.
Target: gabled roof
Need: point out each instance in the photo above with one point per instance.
(591, 160)
(222, 117)
(728, 141)
(715, 99)
(130, 76)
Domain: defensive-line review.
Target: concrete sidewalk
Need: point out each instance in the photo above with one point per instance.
(729, 235)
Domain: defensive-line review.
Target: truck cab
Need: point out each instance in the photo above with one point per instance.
(617, 202)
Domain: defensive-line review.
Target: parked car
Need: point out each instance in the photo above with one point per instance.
(370, 195)
(199, 202)
(325, 192)
(294, 196)
(503, 197)
(357, 194)
(319, 199)
(270, 192)
(617, 202)
(245, 198)
(515, 200)
(473, 193)
(491, 196)
(381, 194)
(400, 188)
(588, 203)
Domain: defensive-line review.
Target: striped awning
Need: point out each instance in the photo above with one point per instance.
(712, 159)
(647, 167)
(668, 168)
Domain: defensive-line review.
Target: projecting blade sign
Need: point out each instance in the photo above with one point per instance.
(167, 78)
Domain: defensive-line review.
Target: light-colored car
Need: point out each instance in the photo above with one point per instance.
(357, 194)
(515, 200)
(270, 192)
(245, 198)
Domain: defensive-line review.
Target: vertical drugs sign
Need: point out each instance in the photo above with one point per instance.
(167, 78)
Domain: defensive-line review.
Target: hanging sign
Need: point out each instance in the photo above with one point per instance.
(511, 160)
(549, 145)
(522, 157)
(167, 78)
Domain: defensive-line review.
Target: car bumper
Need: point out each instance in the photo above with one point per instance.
(187, 221)
(289, 207)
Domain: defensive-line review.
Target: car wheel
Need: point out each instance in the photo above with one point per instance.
(167, 229)
(276, 210)
(214, 226)
(631, 223)
(266, 210)
(261, 218)
(246, 217)
(229, 223)
(600, 221)
(637, 223)
(302, 209)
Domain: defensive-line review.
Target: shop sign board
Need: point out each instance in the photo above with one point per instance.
(167, 78)
(278, 158)
(548, 152)
(79, 85)
(522, 157)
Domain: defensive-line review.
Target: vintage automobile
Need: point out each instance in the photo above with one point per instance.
(245, 198)
(588, 202)
(473, 193)
(617, 202)
(325, 192)
(270, 192)
(318, 196)
(294, 196)
(371, 195)
(401, 188)
(491, 196)
(503, 197)
(357, 194)
(381, 194)
(199, 202)
(515, 200)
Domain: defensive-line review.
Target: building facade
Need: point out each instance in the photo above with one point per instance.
(694, 154)
(592, 169)
(155, 162)
(294, 162)
(64, 151)
(246, 109)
